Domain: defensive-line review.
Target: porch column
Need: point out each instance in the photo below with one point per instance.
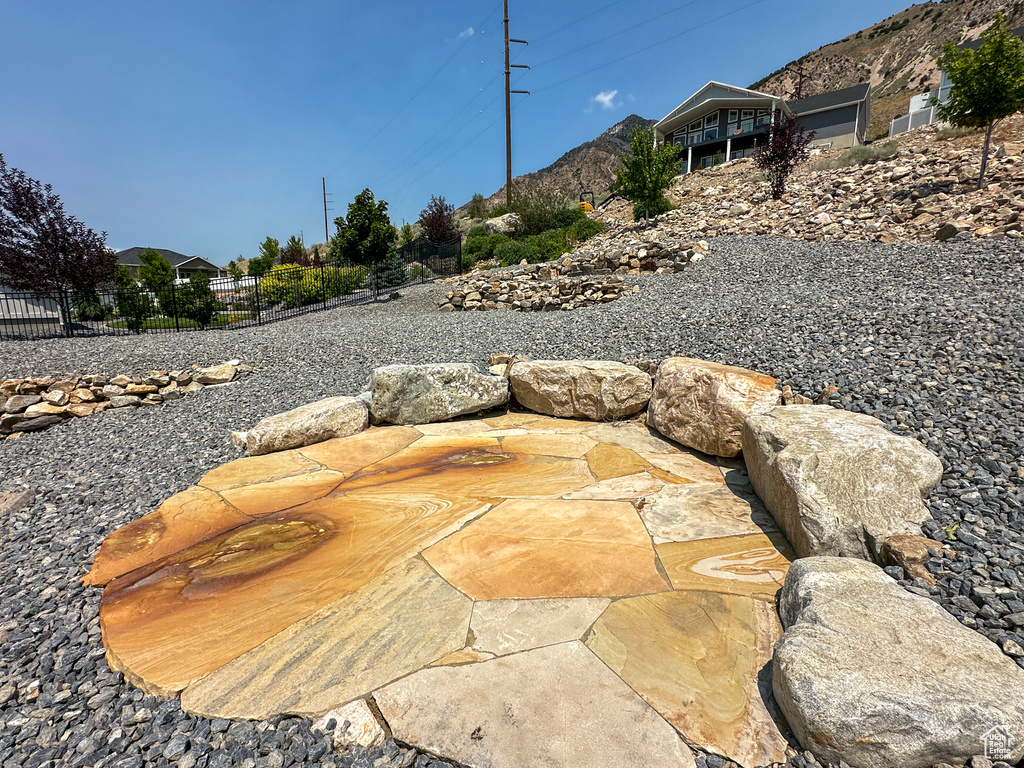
(728, 148)
(689, 159)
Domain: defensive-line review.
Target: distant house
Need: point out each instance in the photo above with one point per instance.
(184, 266)
(921, 110)
(723, 122)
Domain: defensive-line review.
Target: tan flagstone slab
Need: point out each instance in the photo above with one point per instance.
(608, 461)
(686, 466)
(550, 548)
(535, 422)
(629, 488)
(234, 591)
(633, 435)
(501, 627)
(181, 521)
(753, 565)
(553, 707)
(393, 626)
(265, 498)
(473, 467)
(453, 428)
(464, 656)
(703, 510)
(257, 469)
(699, 658)
(351, 454)
(567, 446)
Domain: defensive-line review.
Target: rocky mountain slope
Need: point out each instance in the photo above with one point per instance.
(897, 55)
(590, 167)
(926, 191)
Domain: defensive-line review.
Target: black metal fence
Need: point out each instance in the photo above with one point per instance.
(283, 292)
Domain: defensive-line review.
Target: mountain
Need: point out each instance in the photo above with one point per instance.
(590, 167)
(897, 55)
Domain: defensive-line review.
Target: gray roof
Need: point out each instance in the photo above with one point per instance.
(130, 257)
(851, 95)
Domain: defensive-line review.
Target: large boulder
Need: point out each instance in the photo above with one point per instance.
(307, 424)
(581, 389)
(702, 405)
(871, 674)
(502, 225)
(838, 483)
(421, 394)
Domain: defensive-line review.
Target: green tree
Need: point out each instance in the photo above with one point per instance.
(406, 235)
(270, 254)
(235, 271)
(365, 236)
(477, 207)
(197, 300)
(132, 303)
(646, 173)
(157, 275)
(988, 84)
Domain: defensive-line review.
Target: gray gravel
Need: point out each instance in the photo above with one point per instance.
(925, 337)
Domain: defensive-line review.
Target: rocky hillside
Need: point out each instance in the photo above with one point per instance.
(926, 191)
(897, 55)
(589, 167)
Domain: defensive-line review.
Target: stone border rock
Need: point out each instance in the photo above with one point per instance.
(34, 404)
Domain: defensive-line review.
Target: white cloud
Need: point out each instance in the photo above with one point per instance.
(606, 99)
(467, 32)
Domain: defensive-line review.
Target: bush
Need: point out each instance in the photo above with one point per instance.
(89, 306)
(862, 154)
(196, 301)
(954, 132)
(477, 231)
(391, 272)
(419, 272)
(553, 243)
(539, 207)
(133, 305)
(293, 286)
(481, 247)
(514, 251)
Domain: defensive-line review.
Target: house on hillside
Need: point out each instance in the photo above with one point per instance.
(723, 122)
(183, 265)
(921, 110)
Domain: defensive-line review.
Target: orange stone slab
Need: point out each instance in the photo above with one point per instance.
(184, 519)
(351, 454)
(564, 445)
(753, 565)
(257, 469)
(686, 466)
(191, 613)
(550, 548)
(265, 498)
(697, 658)
(473, 467)
(610, 461)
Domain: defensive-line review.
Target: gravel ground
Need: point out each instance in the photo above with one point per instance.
(925, 337)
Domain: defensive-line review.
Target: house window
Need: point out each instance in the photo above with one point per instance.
(736, 154)
(694, 138)
(748, 113)
(746, 126)
(762, 117)
(707, 162)
(710, 133)
(711, 120)
(696, 125)
(733, 115)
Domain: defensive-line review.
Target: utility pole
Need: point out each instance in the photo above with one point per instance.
(327, 234)
(508, 109)
(799, 93)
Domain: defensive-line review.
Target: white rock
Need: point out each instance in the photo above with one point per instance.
(306, 425)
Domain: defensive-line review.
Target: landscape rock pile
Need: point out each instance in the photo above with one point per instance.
(587, 277)
(927, 191)
(32, 404)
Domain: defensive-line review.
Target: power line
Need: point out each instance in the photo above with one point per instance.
(650, 46)
(620, 32)
(423, 87)
(574, 22)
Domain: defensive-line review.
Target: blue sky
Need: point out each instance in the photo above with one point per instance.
(203, 127)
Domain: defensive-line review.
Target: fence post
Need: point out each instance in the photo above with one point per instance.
(259, 303)
(174, 306)
(65, 307)
(323, 285)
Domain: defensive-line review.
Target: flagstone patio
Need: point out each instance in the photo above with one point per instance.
(518, 590)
